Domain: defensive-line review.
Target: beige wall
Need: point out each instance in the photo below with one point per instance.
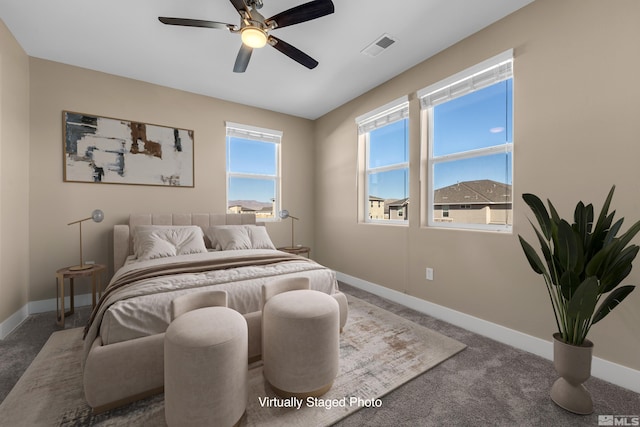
(56, 87)
(576, 133)
(14, 174)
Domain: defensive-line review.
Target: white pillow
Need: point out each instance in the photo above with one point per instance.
(160, 241)
(211, 234)
(260, 238)
(247, 236)
(231, 239)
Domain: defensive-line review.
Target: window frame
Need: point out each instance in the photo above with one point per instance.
(503, 64)
(387, 114)
(254, 133)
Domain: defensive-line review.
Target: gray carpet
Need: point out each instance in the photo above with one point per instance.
(379, 351)
(487, 384)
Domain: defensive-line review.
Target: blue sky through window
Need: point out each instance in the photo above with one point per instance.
(245, 156)
(261, 190)
(389, 145)
(390, 184)
(249, 156)
(480, 119)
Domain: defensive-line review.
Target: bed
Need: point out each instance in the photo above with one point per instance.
(160, 257)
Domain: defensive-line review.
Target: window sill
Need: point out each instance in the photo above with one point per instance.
(396, 223)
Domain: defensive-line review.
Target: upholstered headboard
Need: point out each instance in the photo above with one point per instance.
(123, 237)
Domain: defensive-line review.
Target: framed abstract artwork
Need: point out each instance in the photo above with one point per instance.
(114, 151)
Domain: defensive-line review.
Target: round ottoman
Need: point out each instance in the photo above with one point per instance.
(301, 342)
(205, 368)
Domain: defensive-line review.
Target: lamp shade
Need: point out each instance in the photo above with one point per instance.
(97, 215)
(284, 214)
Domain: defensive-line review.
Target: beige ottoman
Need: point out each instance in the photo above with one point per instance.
(205, 368)
(300, 342)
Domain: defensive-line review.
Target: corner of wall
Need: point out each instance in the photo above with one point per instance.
(14, 175)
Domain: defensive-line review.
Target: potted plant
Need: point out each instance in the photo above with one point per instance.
(583, 263)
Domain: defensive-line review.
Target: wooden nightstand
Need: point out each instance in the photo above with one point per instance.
(297, 250)
(94, 272)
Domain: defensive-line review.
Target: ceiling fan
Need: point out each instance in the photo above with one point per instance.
(254, 28)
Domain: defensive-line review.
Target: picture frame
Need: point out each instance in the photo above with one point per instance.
(105, 150)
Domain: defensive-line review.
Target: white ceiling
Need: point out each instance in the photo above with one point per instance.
(125, 38)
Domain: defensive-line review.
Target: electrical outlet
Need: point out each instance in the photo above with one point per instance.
(429, 273)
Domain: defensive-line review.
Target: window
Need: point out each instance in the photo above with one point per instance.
(383, 169)
(467, 160)
(253, 170)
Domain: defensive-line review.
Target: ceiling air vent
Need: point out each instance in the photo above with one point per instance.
(378, 46)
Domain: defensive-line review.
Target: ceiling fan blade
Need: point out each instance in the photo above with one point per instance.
(293, 53)
(304, 12)
(242, 60)
(194, 23)
(239, 5)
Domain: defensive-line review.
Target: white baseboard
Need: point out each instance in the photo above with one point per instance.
(13, 321)
(600, 368)
(42, 306)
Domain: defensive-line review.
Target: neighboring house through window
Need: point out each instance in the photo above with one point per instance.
(383, 163)
(253, 170)
(467, 147)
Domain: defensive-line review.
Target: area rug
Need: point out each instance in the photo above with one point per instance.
(379, 351)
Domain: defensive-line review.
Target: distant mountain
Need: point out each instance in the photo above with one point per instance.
(250, 204)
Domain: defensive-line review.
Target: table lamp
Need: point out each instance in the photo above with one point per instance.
(97, 216)
(284, 214)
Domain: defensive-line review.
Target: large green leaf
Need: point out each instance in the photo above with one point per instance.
(566, 246)
(583, 220)
(602, 260)
(532, 257)
(604, 212)
(544, 247)
(569, 282)
(584, 299)
(540, 212)
(580, 253)
(612, 232)
(555, 218)
(602, 225)
(611, 302)
(598, 237)
(618, 269)
(595, 266)
(628, 235)
(618, 274)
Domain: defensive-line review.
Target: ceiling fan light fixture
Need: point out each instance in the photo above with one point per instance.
(253, 37)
